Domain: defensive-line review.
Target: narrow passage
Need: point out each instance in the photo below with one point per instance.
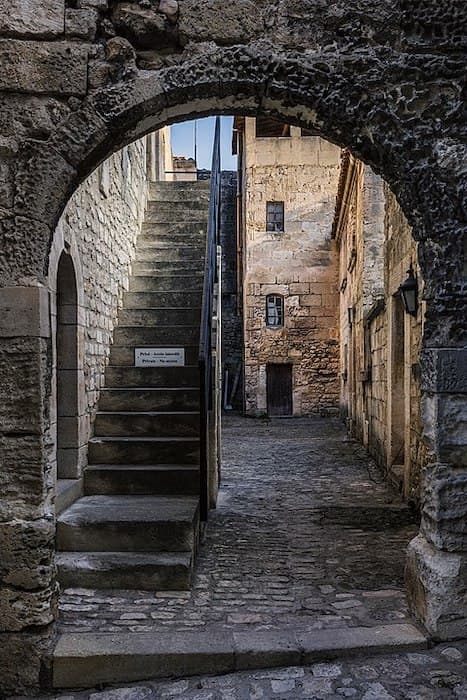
(306, 536)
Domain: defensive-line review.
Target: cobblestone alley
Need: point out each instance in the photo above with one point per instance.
(306, 536)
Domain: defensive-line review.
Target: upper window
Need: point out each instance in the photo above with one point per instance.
(274, 311)
(274, 216)
(272, 128)
(307, 132)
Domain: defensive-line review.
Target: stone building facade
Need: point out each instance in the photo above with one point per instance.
(81, 79)
(379, 342)
(293, 266)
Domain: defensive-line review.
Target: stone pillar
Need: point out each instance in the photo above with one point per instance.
(27, 529)
(437, 558)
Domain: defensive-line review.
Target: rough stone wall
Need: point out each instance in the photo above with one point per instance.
(386, 79)
(99, 227)
(401, 252)
(232, 326)
(376, 248)
(299, 264)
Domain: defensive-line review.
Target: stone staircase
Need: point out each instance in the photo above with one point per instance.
(137, 525)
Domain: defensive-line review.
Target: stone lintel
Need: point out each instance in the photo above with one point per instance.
(24, 311)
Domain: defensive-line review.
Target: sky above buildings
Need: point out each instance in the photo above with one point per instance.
(183, 141)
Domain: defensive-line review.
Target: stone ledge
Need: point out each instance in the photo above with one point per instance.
(127, 657)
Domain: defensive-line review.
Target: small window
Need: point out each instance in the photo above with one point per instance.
(274, 311)
(266, 127)
(274, 216)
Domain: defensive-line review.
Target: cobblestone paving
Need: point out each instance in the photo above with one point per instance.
(432, 675)
(306, 536)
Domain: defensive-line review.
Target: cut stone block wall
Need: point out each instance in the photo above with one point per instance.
(299, 263)
(98, 228)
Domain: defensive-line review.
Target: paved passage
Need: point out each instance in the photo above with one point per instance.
(306, 536)
(431, 675)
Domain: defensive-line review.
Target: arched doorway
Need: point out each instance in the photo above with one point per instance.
(411, 137)
(68, 412)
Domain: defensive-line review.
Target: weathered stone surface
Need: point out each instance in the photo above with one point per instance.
(145, 28)
(437, 588)
(23, 250)
(444, 370)
(81, 23)
(24, 312)
(31, 18)
(444, 511)
(43, 67)
(27, 554)
(41, 173)
(23, 660)
(215, 20)
(21, 609)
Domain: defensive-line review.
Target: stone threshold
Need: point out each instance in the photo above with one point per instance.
(85, 660)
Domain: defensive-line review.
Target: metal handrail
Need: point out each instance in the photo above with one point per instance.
(205, 360)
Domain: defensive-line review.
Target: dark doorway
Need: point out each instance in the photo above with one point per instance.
(67, 371)
(279, 390)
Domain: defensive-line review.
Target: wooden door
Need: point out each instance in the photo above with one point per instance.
(279, 390)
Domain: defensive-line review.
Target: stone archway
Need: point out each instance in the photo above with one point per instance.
(389, 92)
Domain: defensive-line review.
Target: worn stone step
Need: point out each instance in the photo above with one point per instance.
(179, 208)
(168, 250)
(166, 283)
(148, 377)
(175, 267)
(129, 524)
(87, 659)
(170, 193)
(166, 215)
(158, 336)
(149, 399)
(160, 316)
(150, 424)
(143, 450)
(180, 229)
(137, 479)
(189, 298)
(125, 354)
(125, 570)
(67, 492)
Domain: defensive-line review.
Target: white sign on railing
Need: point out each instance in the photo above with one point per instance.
(159, 357)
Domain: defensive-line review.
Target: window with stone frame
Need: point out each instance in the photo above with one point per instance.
(274, 311)
(275, 216)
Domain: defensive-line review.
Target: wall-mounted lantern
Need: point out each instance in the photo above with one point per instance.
(409, 292)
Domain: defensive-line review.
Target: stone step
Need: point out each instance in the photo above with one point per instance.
(143, 450)
(158, 336)
(125, 570)
(189, 298)
(129, 524)
(152, 399)
(182, 229)
(160, 316)
(150, 424)
(167, 250)
(175, 267)
(166, 193)
(124, 355)
(87, 659)
(146, 479)
(166, 215)
(67, 492)
(166, 283)
(149, 377)
(178, 209)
